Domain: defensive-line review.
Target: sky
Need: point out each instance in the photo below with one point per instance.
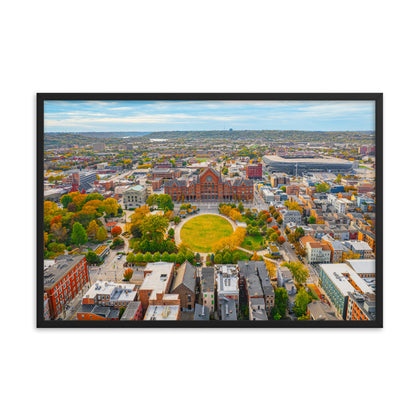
(149, 116)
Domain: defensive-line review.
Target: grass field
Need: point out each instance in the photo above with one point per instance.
(253, 243)
(202, 232)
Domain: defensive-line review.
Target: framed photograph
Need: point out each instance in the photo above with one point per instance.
(209, 210)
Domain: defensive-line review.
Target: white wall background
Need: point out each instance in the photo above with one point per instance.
(218, 46)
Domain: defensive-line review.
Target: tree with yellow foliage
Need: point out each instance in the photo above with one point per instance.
(255, 257)
(293, 206)
(271, 268)
(111, 206)
(92, 229)
(235, 214)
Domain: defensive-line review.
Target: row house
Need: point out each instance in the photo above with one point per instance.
(369, 238)
(184, 285)
(253, 275)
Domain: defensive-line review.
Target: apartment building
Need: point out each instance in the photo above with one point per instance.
(63, 280)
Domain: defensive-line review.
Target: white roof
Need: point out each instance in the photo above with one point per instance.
(336, 272)
(106, 288)
(158, 279)
(360, 245)
(362, 266)
(227, 280)
(162, 313)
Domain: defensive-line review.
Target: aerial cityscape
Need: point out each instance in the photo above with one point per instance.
(209, 211)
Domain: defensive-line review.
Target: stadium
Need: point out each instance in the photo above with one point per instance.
(300, 164)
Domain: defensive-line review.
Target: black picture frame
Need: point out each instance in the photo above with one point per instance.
(376, 97)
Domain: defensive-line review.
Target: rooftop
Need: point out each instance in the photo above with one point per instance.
(320, 311)
(185, 275)
(162, 313)
(275, 158)
(157, 277)
(63, 264)
(336, 273)
(366, 266)
(117, 292)
(130, 311)
(207, 279)
(201, 313)
(228, 309)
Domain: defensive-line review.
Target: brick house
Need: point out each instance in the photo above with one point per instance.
(184, 285)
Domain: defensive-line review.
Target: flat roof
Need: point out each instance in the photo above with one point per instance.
(359, 245)
(158, 277)
(162, 313)
(336, 272)
(63, 264)
(365, 266)
(227, 279)
(280, 159)
(116, 291)
(201, 313)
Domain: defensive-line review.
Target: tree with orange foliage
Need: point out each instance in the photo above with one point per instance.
(255, 257)
(115, 231)
(79, 200)
(128, 274)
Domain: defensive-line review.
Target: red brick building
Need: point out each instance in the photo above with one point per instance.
(209, 186)
(64, 280)
(254, 171)
(292, 190)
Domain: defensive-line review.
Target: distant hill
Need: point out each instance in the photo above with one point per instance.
(52, 140)
(64, 139)
(289, 135)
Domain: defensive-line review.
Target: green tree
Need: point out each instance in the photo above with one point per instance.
(177, 219)
(280, 301)
(171, 232)
(66, 200)
(131, 258)
(92, 257)
(101, 235)
(322, 187)
(273, 237)
(139, 258)
(218, 259)
(301, 302)
(122, 310)
(298, 270)
(148, 257)
(156, 257)
(311, 220)
(154, 227)
(166, 257)
(78, 234)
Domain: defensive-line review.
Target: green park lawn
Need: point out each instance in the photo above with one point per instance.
(201, 232)
(254, 243)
